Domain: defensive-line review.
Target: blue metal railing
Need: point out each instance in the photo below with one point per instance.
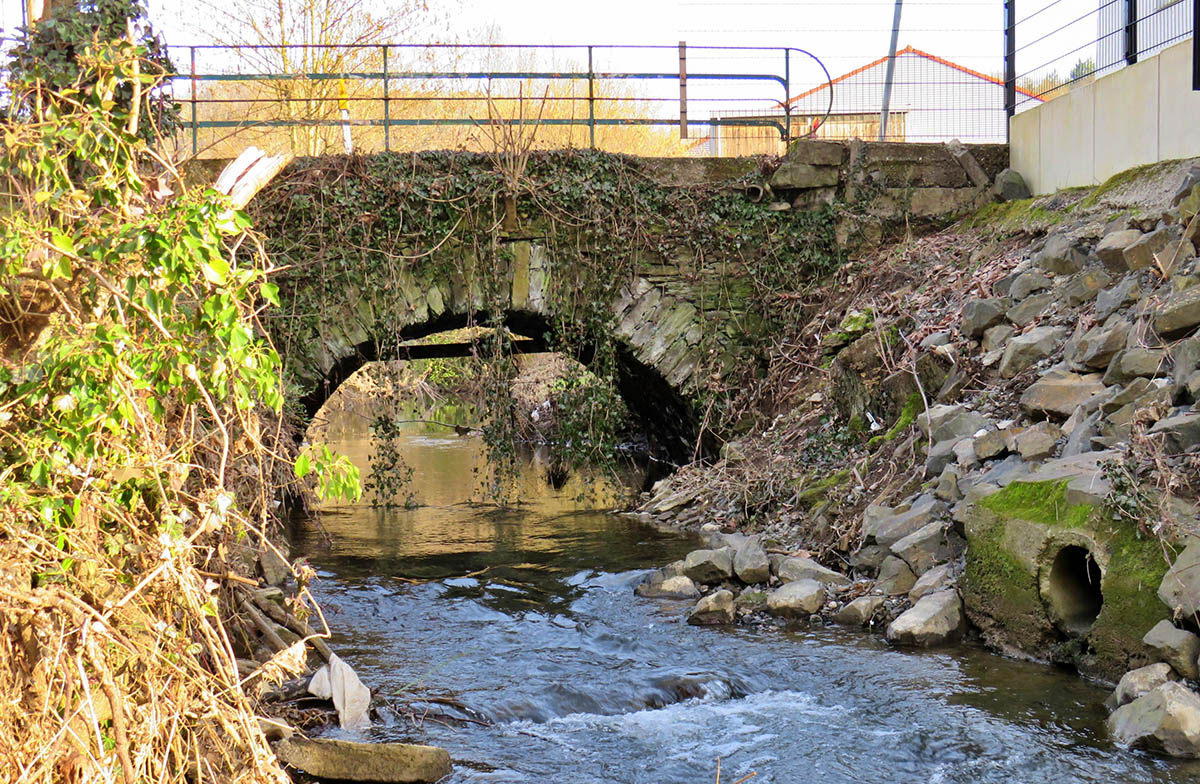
(440, 91)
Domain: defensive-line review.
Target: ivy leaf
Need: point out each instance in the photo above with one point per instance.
(270, 292)
(303, 466)
(61, 241)
(215, 270)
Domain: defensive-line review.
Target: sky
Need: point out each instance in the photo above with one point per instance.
(844, 34)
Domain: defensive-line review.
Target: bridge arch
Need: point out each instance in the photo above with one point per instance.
(659, 338)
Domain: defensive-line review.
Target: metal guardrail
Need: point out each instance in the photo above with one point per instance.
(371, 89)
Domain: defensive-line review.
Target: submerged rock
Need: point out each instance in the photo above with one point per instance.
(713, 610)
(327, 758)
(1166, 718)
(936, 619)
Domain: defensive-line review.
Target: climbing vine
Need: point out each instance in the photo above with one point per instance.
(356, 233)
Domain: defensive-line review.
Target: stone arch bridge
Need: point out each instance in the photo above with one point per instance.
(680, 320)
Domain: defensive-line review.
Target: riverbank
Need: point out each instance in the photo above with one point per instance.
(1007, 405)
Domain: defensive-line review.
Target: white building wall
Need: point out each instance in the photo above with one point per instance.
(939, 102)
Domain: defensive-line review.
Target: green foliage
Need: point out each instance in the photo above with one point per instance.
(338, 476)
(48, 59)
(148, 319)
(356, 232)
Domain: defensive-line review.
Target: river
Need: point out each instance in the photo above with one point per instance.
(529, 619)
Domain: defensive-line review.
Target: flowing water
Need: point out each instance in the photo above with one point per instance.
(528, 618)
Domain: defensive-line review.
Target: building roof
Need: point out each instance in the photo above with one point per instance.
(913, 51)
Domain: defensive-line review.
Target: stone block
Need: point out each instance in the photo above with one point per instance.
(1059, 393)
(1030, 308)
(330, 758)
(796, 599)
(817, 153)
(1010, 186)
(1027, 283)
(1166, 718)
(1059, 256)
(1084, 286)
(1180, 587)
(1135, 683)
(709, 566)
(794, 176)
(1024, 351)
(1141, 253)
(937, 619)
(887, 530)
(1109, 301)
(859, 612)
(1180, 311)
(1176, 647)
(895, 577)
(793, 569)
(1111, 249)
(1180, 433)
(981, 314)
(1099, 344)
(750, 563)
(942, 422)
(713, 610)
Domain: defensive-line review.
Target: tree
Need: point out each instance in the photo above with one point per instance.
(295, 38)
(46, 60)
(1082, 69)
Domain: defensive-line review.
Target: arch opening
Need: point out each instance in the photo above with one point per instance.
(665, 420)
(1072, 591)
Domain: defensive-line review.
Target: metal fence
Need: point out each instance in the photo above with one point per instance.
(962, 67)
(1059, 44)
(653, 100)
(649, 100)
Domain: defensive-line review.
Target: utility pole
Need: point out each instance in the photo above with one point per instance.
(891, 72)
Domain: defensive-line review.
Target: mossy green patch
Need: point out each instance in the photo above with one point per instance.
(1018, 215)
(1125, 178)
(1038, 502)
(856, 322)
(908, 414)
(1131, 604)
(813, 493)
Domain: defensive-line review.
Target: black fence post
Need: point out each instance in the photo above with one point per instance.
(1010, 62)
(1131, 32)
(1195, 46)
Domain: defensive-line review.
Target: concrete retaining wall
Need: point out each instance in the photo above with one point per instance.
(1141, 114)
